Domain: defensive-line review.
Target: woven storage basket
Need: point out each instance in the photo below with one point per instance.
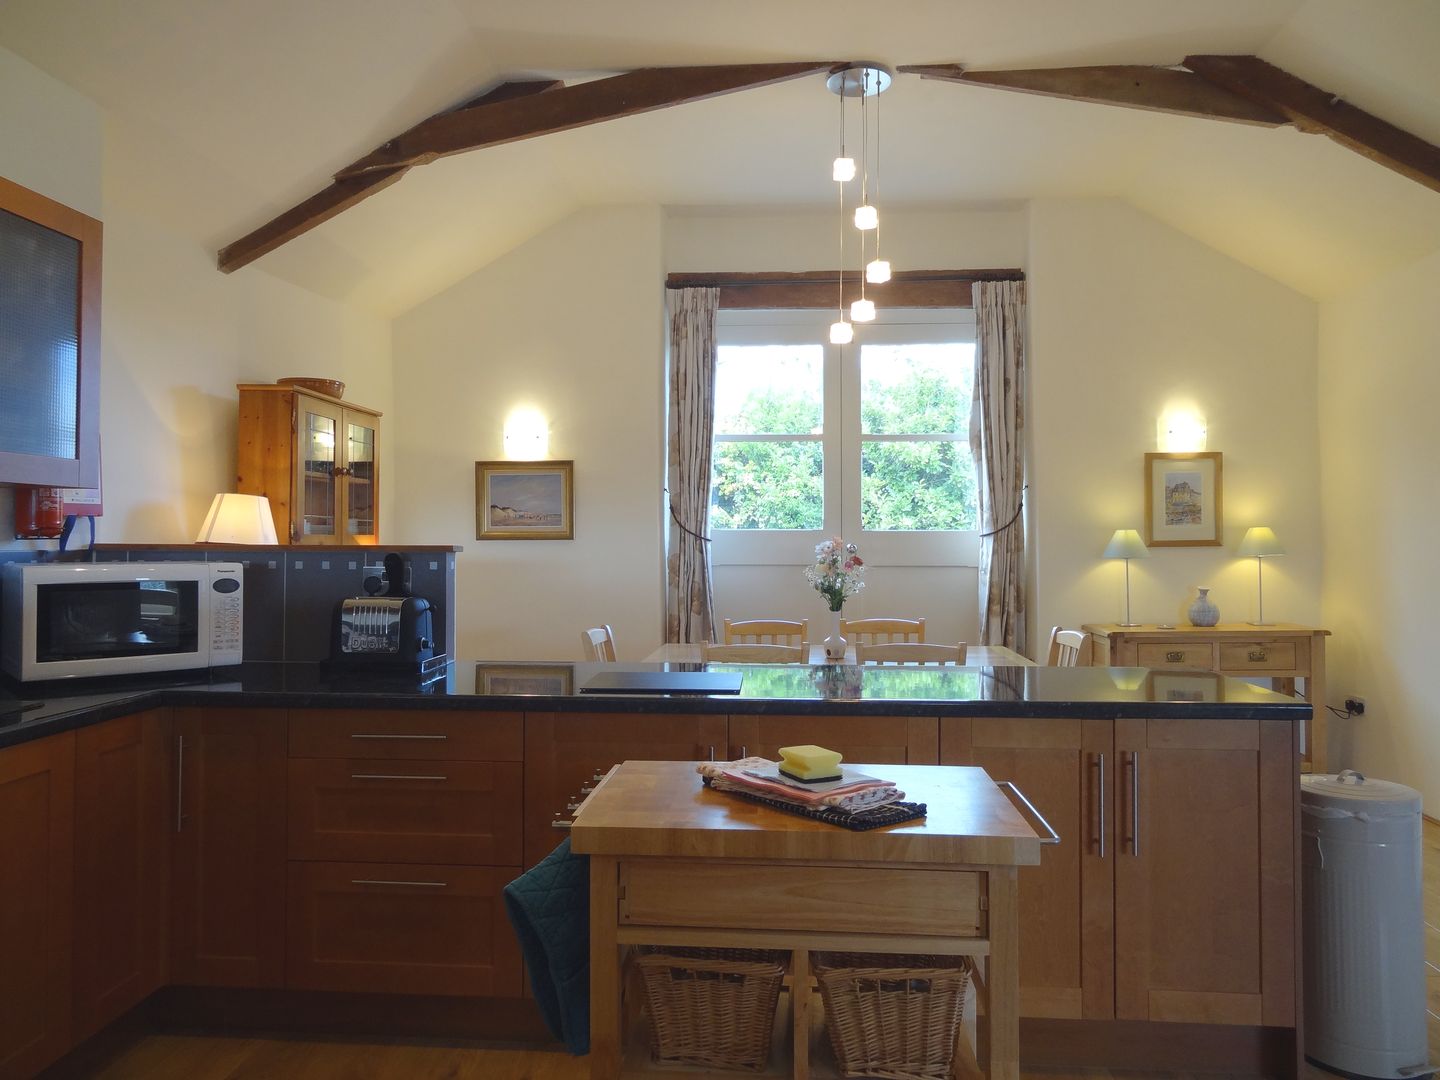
(712, 1007)
(892, 1016)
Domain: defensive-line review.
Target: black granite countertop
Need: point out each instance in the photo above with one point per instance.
(31, 711)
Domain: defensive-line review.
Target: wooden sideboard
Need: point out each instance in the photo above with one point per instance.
(1280, 652)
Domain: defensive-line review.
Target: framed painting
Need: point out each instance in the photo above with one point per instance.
(524, 500)
(536, 680)
(1182, 500)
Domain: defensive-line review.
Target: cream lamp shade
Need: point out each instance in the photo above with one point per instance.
(1126, 544)
(238, 519)
(1261, 543)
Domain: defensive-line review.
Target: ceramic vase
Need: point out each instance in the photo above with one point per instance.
(1203, 611)
(835, 642)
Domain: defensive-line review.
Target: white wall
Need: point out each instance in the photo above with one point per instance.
(1379, 384)
(1129, 316)
(176, 334)
(571, 323)
(724, 241)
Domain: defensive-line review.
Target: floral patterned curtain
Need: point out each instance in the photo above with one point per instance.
(997, 420)
(689, 600)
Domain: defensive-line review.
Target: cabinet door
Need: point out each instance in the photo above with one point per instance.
(361, 486)
(37, 830)
(229, 852)
(1205, 874)
(881, 740)
(1066, 768)
(121, 874)
(319, 447)
(564, 750)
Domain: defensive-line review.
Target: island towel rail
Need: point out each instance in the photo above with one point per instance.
(1054, 837)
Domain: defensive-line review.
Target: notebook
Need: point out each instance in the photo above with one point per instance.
(664, 682)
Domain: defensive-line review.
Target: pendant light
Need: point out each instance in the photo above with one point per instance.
(842, 332)
(862, 80)
(843, 169)
(877, 270)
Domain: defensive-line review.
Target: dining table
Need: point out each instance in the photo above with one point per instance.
(975, 655)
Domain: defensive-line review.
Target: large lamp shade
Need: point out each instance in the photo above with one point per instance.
(238, 519)
(1260, 542)
(1126, 544)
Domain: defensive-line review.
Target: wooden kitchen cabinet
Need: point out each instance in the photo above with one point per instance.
(1066, 768)
(564, 751)
(882, 740)
(315, 458)
(228, 857)
(1205, 871)
(122, 844)
(37, 836)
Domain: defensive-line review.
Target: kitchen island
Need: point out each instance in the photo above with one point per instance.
(293, 829)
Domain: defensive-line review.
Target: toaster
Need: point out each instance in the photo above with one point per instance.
(389, 631)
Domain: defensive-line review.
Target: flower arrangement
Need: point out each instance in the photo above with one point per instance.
(837, 572)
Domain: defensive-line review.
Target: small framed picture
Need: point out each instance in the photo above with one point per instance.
(524, 500)
(535, 680)
(1170, 686)
(1182, 500)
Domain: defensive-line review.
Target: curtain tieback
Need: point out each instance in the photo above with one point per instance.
(680, 524)
(993, 532)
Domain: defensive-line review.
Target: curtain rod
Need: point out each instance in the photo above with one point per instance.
(728, 280)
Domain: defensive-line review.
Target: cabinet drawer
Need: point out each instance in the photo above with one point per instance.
(416, 735)
(405, 811)
(1176, 654)
(401, 929)
(1240, 656)
(759, 896)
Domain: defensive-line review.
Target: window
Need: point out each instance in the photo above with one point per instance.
(868, 440)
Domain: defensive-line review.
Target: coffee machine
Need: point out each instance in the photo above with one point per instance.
(393, 633)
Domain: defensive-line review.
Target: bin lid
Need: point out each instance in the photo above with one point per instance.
(1354, 792)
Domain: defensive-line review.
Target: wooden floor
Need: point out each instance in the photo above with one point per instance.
(197, 1057)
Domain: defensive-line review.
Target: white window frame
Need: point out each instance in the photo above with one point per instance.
(841, 439)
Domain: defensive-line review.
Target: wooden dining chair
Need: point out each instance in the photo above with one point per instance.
(757, 653)
(875, 631)
(909, 652)
(1068, 648)
(767, 631)
(599, 642)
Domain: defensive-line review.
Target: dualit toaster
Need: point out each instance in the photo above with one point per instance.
(394, 632)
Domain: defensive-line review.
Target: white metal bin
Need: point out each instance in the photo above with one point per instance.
(1364, 935)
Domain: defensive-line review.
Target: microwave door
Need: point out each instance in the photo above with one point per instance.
(99, 620)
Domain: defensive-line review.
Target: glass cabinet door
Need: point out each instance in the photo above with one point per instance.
(317, 450)
(361, 480)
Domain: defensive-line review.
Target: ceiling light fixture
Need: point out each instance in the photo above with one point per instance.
(862, 80)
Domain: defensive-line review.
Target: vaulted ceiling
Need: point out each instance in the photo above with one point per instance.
(221, 115)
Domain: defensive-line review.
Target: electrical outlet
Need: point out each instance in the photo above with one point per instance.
(1355, 705)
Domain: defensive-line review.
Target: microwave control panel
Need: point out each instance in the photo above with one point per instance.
(227, 614)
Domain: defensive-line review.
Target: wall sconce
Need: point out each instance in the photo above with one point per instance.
(527, 436)
(1181, 431)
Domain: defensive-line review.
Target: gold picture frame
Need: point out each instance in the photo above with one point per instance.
(524, 500)
(525, 680)
(1183, 504)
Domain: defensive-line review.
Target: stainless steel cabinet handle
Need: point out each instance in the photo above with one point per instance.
(744, 751)
(712, 751)
(1102, 804)
(572, 806)
(412, 884)
(561, 823)
(442, 738)
(586, 789)
(1054, 837)
(392, 776)
(1135, 802)
(180, 785)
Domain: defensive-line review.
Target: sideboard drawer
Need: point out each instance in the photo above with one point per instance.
(1242, 656)
(1176, 654)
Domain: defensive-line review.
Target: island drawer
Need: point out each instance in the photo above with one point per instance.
(439, 734)
(358, 809)
(1241, 656)
(1176, 654)
(766, 896)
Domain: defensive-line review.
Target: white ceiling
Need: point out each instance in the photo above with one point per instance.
(222, 113)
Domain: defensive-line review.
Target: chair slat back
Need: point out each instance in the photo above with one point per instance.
(910, 652)
(876, 631)
(1068, 648)
(766, 631)
(757, 654)
(599, 644)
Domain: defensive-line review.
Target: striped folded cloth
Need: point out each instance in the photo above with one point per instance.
(757, 775)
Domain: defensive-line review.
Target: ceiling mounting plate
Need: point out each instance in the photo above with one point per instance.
(863, 79)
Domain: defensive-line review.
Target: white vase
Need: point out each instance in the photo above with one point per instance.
(835, 642)
(1203, 611)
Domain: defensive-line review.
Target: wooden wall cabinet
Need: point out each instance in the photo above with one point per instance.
(122, 847)
(315, 458)
(37, 833)
(228, 857)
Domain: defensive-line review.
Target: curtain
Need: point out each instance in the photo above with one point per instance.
(689, 600)
(997, 419)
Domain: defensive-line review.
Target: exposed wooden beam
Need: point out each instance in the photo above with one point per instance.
(815, 289)
(511, 112)
(1319, 112)
(1133, 86)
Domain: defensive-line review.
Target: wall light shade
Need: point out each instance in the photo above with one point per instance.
(1181, 431)
(843, 170)
(239, 519)
(1260, 542)
(527, 436)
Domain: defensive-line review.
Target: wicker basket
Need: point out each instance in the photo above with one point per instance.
(892, 1016)
(711, 1007)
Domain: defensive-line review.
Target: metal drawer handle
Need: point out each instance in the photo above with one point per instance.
(392, 776)
(1135, 802)
(1175, 656)
(1102, 805)
(367, 736)
(1258, 656)
(412, 884)
(561, 823)
(180, 786)
(1054, 837)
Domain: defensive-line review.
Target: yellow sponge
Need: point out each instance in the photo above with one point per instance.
(810, 763)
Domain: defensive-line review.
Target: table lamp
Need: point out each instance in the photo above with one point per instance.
(1126, 544)
(238, 519)
(1260, 542)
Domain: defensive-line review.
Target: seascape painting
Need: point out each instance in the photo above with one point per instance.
(524, 500)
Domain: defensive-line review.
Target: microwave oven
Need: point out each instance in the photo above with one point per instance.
(73, 620)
